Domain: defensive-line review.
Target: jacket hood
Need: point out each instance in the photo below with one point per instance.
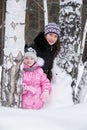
(40, 61)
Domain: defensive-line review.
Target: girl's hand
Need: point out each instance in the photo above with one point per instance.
(45, 96)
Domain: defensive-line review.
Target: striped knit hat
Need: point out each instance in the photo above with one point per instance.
(52, 28)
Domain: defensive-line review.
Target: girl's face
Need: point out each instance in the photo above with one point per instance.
(29, 61)
(51, 38)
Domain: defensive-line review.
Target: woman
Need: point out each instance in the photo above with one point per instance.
(47, 46)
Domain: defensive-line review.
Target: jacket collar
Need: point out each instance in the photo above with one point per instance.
(41, 41)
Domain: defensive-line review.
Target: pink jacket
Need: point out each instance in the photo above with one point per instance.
(36, 88)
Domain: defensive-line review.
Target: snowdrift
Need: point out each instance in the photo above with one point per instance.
(66, 118)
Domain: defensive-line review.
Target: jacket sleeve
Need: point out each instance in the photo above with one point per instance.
(24, 79)
(24, 84)
(45, 83)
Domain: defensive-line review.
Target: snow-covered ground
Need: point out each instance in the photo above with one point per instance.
(66, 118)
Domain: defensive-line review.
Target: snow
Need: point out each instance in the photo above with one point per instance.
(61, 90)
(77, 1)
(59, 114)
(66, 118)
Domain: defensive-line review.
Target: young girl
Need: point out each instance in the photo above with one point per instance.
(36, 86)
(47, 46)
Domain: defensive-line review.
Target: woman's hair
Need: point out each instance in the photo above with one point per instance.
(57, 46)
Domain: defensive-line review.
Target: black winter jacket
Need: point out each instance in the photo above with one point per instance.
(45, 51)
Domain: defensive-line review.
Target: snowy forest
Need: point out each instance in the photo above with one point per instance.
(21, 20)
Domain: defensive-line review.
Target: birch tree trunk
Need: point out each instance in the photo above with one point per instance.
(84, 37)
(70, 55)
(13, 53)
(45, 12)
(82, 86)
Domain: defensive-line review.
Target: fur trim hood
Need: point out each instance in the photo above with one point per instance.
(40, 61)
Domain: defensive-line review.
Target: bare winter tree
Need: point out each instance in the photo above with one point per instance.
(70, 55)
(14, 38)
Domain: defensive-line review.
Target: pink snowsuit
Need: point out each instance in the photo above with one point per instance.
(35, 84)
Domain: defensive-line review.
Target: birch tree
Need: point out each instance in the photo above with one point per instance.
(82, 86)
(70, 55)
(45, 12)
(13, 53)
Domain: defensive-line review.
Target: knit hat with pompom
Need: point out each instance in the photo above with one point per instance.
(31, 52)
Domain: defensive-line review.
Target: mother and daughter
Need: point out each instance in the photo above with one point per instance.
(37, 65)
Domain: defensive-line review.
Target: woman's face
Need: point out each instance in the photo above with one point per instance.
(29, 61)
(51, 38)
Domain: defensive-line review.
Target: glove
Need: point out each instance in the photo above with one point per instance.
(45, 96)
(30, 88)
